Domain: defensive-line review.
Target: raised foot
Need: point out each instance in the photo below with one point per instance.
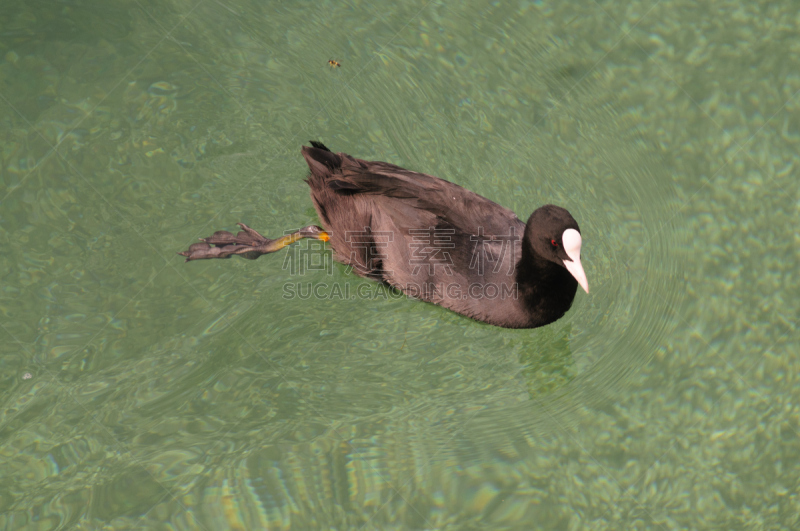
(247, 243)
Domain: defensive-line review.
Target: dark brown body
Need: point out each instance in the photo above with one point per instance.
(437, 241)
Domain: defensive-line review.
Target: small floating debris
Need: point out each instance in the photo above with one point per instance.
(162, 89)
(334, 63)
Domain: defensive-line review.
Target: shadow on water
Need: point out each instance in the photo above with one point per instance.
(547, 363)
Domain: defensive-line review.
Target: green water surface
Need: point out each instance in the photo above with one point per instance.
(139, 392)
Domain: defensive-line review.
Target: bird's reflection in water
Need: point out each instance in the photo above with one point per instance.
(548, 362)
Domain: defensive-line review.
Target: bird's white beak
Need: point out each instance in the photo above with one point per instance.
(571, 239)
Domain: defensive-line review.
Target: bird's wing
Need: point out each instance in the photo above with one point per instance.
(452, 205)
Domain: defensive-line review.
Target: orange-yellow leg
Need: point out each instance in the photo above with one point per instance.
(247, 243)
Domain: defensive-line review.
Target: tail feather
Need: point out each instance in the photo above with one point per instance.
(319, 145)
(321, 160)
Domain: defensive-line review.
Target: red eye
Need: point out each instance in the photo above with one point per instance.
(555, 243)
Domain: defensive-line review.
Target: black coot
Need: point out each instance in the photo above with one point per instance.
(433, 240)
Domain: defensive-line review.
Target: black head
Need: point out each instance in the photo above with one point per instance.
(554, 235)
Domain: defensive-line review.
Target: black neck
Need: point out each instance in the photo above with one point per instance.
(544, 284)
